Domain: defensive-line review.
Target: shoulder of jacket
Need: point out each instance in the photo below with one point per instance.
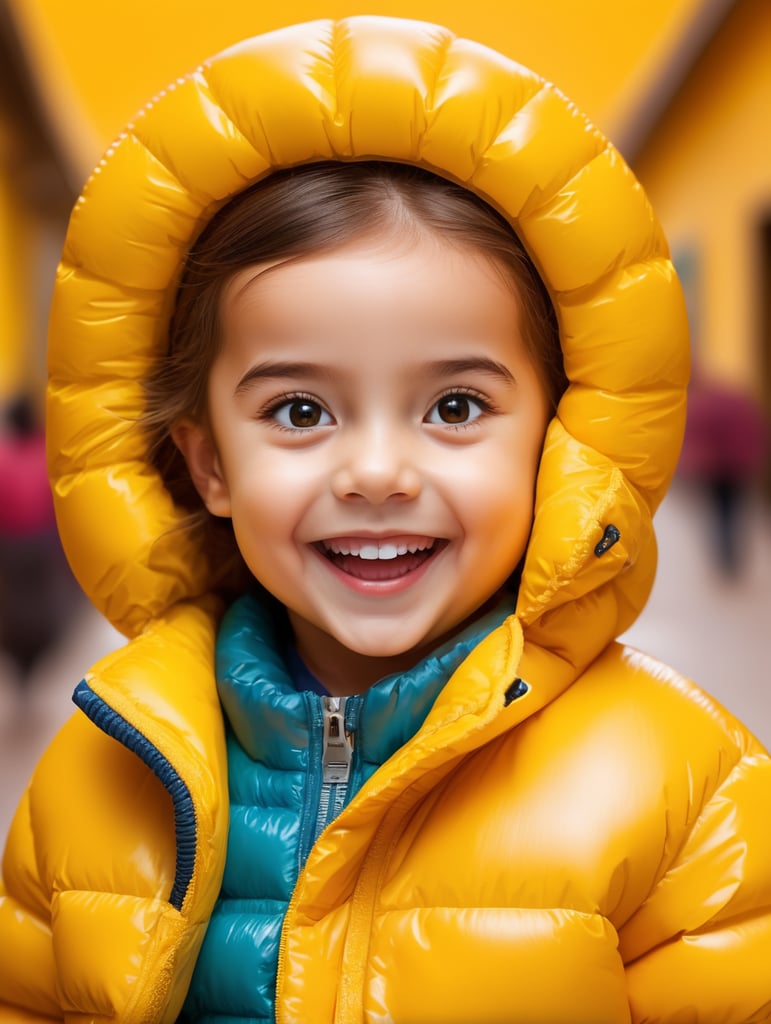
(660, 709)
(86, 785)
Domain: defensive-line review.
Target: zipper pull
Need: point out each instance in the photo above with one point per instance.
(338, 748)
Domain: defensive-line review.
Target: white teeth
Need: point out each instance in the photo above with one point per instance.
(370, 552)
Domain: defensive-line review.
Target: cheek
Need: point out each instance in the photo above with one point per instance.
(270, 496)
(496, 499)
(261, 476)
(498, 483)
(502, 518)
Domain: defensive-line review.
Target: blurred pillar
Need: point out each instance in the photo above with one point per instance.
(15, 278)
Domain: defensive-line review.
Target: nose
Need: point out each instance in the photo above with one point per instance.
(377, 465)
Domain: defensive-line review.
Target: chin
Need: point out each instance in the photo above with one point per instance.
(389, 649)
(384, 650)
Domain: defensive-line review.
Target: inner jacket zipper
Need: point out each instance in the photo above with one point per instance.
(336, 762)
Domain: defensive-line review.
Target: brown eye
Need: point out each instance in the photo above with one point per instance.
(453, 409)
(456, 409)
(304, 414)
(300, 414)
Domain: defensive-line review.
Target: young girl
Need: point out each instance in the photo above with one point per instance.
(372, 516)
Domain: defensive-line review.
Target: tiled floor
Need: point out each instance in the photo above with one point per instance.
(712, 629)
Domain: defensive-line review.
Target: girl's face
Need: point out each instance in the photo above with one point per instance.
(374, 430)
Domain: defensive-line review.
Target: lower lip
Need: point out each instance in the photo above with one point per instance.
(380, 588)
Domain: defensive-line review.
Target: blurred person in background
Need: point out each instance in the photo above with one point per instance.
(725, 453)
(36, 586)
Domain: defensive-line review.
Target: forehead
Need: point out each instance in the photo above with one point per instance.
(405, 278)
(374, 312)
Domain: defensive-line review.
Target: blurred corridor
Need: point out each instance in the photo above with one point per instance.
(710, 627)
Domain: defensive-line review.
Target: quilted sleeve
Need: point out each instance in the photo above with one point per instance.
(27, 970)
(699, 948)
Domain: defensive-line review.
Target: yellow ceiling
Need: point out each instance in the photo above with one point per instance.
(97, 63)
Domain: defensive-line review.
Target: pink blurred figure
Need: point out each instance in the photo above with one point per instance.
(725, 450)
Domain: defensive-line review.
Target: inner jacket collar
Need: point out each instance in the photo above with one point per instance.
(266, 712)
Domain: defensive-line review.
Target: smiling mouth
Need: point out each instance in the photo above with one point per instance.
(378, 559)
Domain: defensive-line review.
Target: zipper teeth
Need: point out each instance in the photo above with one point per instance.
(322, 813)
(356, 949)
(281, 961)
(333, 797)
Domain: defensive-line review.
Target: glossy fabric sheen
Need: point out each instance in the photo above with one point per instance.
(595, 850)
(274, 772)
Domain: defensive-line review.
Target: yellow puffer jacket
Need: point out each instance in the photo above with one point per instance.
(595, 850)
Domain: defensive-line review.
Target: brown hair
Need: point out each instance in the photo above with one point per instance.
(311, 209)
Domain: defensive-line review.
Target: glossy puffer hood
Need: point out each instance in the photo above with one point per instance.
(374, 88)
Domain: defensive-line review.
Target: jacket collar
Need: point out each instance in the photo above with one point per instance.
(266, 711)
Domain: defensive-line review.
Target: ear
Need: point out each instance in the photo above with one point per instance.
(203, 463)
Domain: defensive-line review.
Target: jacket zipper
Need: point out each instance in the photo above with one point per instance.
(336, 762)
(336, 768)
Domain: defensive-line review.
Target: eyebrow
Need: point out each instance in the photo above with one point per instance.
(473, 364)
(272, 370)
(283, 370)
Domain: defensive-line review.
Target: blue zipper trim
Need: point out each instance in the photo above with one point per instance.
(115, 725)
